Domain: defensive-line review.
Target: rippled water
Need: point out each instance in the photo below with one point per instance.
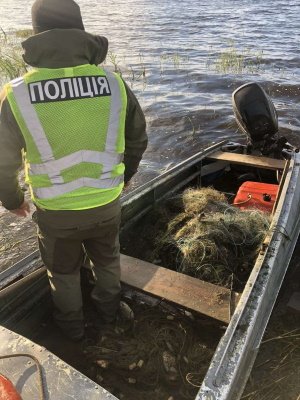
(168, 51)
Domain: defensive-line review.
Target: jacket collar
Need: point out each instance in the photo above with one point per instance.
(62, 48)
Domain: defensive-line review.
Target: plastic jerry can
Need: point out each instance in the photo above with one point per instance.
(256, 195)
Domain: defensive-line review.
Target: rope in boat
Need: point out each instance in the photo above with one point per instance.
(39, 370)
(160, 353)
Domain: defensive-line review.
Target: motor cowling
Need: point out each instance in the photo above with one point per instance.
(257, 117)
(255, 112)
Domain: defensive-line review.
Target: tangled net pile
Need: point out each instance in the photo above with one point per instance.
(202, 235)
(164, 356)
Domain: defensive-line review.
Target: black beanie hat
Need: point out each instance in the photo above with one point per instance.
(51, 14)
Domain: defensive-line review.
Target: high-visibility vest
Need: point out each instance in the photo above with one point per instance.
(73, 123)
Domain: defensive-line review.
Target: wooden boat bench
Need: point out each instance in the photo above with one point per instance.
(194, 294)
(245, 159)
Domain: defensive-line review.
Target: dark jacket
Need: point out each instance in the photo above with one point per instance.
(61, 48)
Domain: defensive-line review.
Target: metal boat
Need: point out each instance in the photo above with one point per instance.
(25, 297)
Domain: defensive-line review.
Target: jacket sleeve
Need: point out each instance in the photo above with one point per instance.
(135, 135)
(11, 145)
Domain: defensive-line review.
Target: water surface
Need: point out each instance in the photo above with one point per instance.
(168, 51)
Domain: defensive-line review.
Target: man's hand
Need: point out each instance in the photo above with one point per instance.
(22, 211)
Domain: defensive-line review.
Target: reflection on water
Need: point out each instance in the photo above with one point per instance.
(169, 52)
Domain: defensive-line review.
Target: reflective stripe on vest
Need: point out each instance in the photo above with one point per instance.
(57, 190)
(53, 167)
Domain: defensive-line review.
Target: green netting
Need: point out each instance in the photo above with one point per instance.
(202, 235)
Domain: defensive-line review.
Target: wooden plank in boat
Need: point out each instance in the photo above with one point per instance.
(253, 161)
(196, 295)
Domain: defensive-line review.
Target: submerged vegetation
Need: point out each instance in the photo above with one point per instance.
(275, 375)
(236, 61)
(23, 33)
(230, 60)
(11, 61)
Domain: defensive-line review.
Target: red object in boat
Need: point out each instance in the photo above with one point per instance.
(7, 390)
(256, 195)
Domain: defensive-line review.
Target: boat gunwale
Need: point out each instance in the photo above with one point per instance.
(240, 343)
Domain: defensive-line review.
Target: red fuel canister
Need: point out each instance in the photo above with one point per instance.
(256, 195)
(7, 390)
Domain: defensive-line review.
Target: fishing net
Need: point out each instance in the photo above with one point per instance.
(164, 356)
(200, 234)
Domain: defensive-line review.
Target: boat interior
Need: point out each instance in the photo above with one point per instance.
(147, 285)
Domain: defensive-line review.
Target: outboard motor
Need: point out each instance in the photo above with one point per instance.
(257, 117)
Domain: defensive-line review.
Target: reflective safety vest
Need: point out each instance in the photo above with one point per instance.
(73, 123)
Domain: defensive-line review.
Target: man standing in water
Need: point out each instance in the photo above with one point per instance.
(83, 135)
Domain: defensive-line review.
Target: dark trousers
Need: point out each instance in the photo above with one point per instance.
(64, 238)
